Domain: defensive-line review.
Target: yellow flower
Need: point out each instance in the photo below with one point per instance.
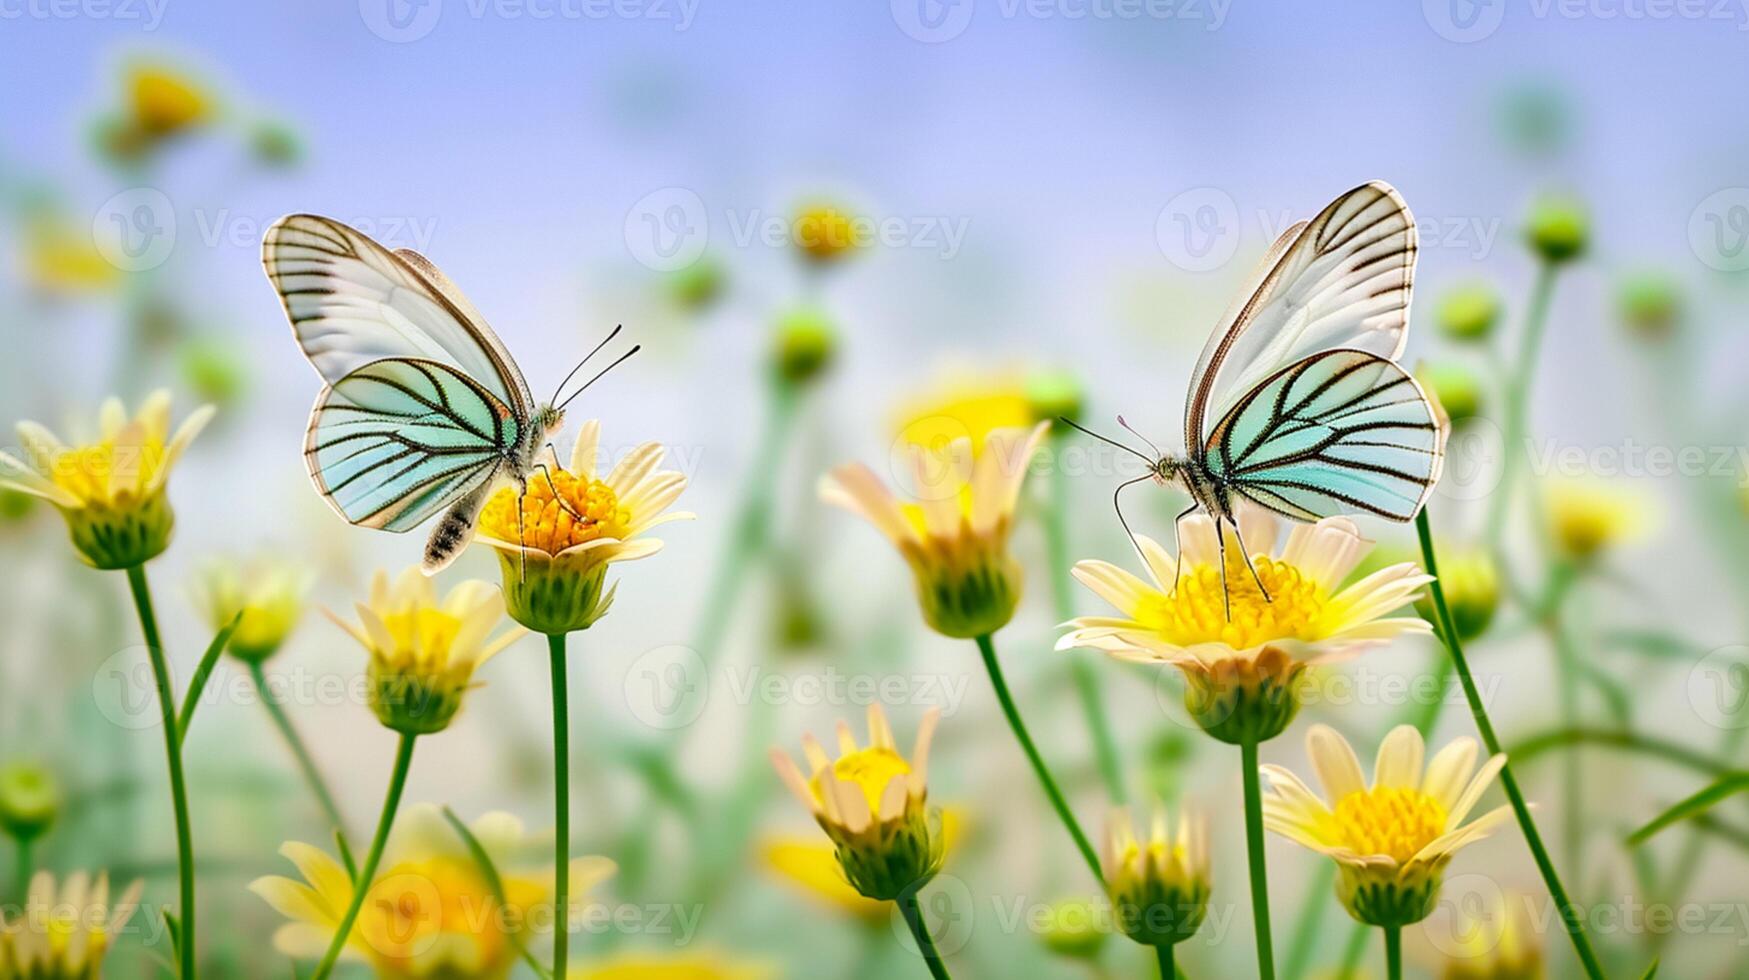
(1244, 671)
(423, 652)
(30, 800)
(60, 257)
(431, 913)
(966, 405)
(1159, 889)
(670, 966)
(267, 592)
(955, 536)
(1588, 517)
(827, 232)
(554, 549)
(163, 101)
(62, 934)
(1472, 590)
(111, 491)
(1392, 840)
(1501, 943)
(872, 802)
(813, 867)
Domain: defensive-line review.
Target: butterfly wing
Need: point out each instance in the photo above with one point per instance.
(399, 439)
(352, 302)
(1341, 431)
(1341, 280)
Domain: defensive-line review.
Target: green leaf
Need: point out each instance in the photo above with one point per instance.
(174, 926)
(1543, 742)
(346, 855)
(1699, 803)
(495, 882)
(1651, 971)
(202, 674)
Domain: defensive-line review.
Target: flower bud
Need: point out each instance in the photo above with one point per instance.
(1558, 229)
(805, 345)
(1468, 313)
(30, 800)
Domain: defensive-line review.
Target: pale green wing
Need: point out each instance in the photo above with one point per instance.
(1340, 432)
(399, 439)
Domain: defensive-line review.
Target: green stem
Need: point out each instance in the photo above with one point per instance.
(173, 755)
(1168, 971)
(561, 804)
(1352, 955)
(987, 648)
(1393, 953)
(1063, 591)
(1570, 916)
(1518, 400)
(366, 873)
(300, 752)
(21, 879)
(920, 932)
(1254, 849)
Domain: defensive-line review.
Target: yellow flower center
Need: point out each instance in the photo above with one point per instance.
(423, 636)
(871, 769)
(1395, 821)
(825, 232)
(582, 511)
(1196, 612)
(113, 471)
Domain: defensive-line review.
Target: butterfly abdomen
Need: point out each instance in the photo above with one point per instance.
(454, 530)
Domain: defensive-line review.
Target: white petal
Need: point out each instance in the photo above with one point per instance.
(1334, 761)
(1400, 758)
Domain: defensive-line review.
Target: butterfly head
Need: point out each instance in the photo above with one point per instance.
(548, 420)
(1168, 469)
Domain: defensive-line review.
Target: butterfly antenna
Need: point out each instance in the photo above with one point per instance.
(585, 360)
(1110, 442)
(621, 360)
(1138, 435)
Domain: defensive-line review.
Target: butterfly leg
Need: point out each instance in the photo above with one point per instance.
(564, 504)
(1115, 505)
(521, 538)
(1178, 546)
(1226, 596)
(1245, 553)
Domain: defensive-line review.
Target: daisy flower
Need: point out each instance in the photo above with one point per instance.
(63, 933)
(1391, 840)
(955, 534)
(556, 539)
(872, 802)
(1244, 667)
(424, 651)
(111, 491)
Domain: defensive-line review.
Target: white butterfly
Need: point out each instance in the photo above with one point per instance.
(424, 410)
(1311, 414)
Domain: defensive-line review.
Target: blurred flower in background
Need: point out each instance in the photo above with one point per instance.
(159, 102)
(1650, 304)
(30, 799)
(671, 966)
(265, 591)
(828, 231)
(60, 258)
(814, 869)
(432, 913)
(1558, 228)
(804, 345)
(1500, 941)
(1468, 313)
(1588, 517)
(63, 933)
